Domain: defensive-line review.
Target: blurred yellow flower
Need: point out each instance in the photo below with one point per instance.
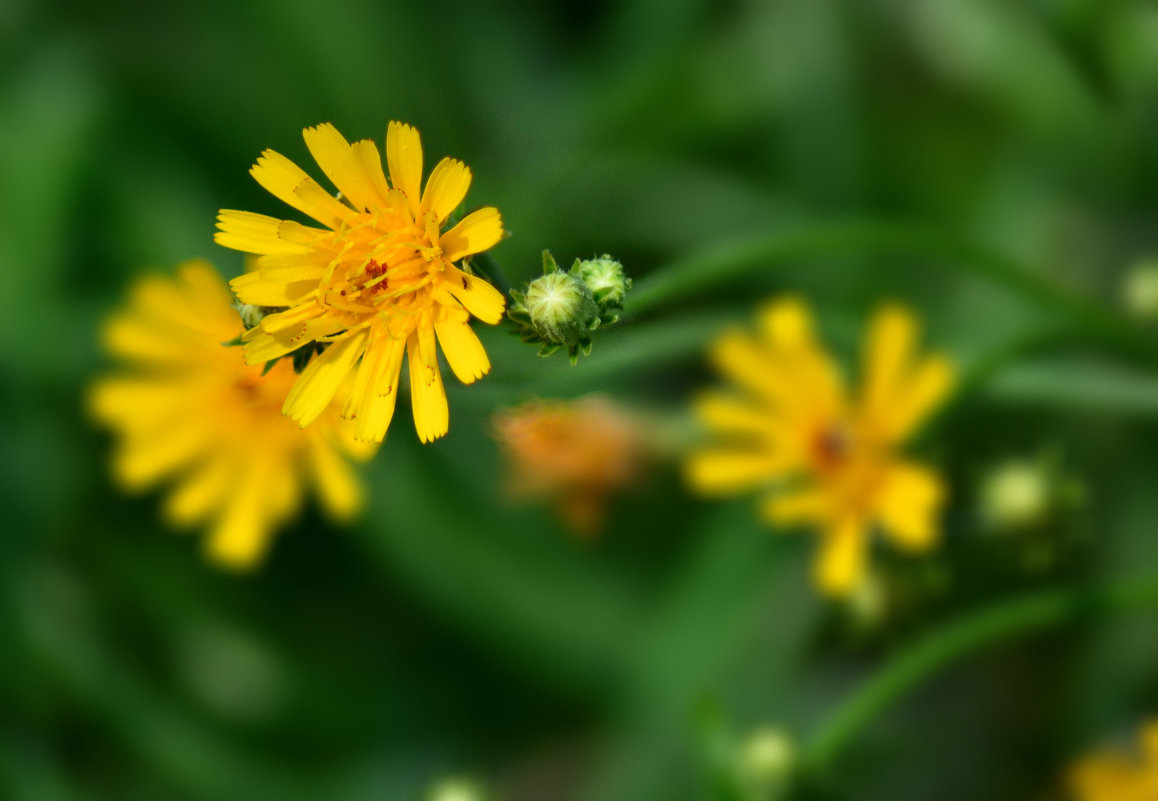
(824, 455)
(377, 280)
(577, 453)
(1111, 775)
(188, 407)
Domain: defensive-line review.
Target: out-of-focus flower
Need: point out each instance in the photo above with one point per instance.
(188, 407)
(826, 456)
(577, 453)
(1140, 289)
(378, 280)
(1118, 775)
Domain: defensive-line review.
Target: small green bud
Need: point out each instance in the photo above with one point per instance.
(1016, 495)
(1140, 290)
(605, 278)
(561, 308)
(251, 315)
(767, 761)
(456, 790)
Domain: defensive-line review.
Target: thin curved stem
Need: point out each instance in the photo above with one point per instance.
(722, 265)
(968, 635)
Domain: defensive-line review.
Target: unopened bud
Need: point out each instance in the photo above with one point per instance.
(561, 308)
(605, 278)
(767, 760)
(1140, 289)
(1016, 495)
(456, 790)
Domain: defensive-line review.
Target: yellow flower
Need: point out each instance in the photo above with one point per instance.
(1111, 775)
(825, 456)
(190, 408)
(576, 453)
(378, 279)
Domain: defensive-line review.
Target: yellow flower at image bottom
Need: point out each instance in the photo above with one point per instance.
(823, 454)
(1118, 775)
(187, 407)
(377, 281)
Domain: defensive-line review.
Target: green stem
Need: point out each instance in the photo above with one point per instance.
(966, 636)
(696, 273)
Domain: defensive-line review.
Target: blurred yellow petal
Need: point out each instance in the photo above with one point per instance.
(928, 387)
(908, 505)
(843, 552)
(338, 486)
(795, 506)
(729, 471)
(890, 343)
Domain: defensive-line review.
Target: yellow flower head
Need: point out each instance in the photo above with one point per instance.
(577, 453)
(1112, 775)
(379, 278)
(189, 407)
(825, 455)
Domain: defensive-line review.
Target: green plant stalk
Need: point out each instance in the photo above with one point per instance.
(968, 635)
(717, 267)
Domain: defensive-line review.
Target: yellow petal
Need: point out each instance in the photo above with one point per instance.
(799, 505)
(338, 486)
(427, 395)
(254, 288)
(464, 352)
(480, 298)
(841, 563)
(404, 159)
(908, 505)
(144, 460)
(786, 324)
(336, 158)
(920, 394)
(725, 472)
(242, 532)
(318, 383)
(889, 347)
(375, 391)
(475, 233)
(445, 189)
(257, 233)
(202, 492)
(289, 183)
(727, 415)
(366, 152)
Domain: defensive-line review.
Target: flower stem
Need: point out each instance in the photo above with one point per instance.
(694, 274)
(966, 636)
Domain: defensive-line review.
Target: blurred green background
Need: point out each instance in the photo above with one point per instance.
(992, 164)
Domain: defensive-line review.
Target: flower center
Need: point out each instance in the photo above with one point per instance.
(384, 271)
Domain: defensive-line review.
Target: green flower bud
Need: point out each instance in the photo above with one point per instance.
(456, 790)
(605, 278)
(250, 315)
(767, 761)
(561, 308)
(1016, 495)
(1140, 289)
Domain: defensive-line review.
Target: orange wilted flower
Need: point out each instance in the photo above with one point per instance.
(577, 453)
